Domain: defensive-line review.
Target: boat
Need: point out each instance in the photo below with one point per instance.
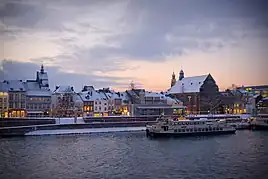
(260, 122)
(167, 127)
(239, 123)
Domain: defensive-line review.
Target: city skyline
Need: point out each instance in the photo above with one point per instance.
(111, 43)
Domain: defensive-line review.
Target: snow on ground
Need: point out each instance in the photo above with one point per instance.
(69, 120)
(85, 131)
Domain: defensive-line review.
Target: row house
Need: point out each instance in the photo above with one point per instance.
(95, 102)
(15, 103)
(63, 101)
(3, 100)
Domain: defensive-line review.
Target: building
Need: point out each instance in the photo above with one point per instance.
(262, 90)
(88, 102)
(119, 103)
(38, 95)
(262, 106)
(16, 98)
(3, 100)
(153, 103)
(200, 94)
(38, 100)
(95, 101)
(63, 101)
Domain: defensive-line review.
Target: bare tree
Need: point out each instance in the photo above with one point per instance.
(132, 86)
(65, 106)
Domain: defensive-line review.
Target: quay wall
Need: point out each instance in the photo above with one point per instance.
(21, 130)
(9, 122)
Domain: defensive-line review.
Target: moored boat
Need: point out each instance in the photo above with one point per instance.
(260, 122)
(166, 127)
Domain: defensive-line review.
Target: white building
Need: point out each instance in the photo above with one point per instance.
(95, 102)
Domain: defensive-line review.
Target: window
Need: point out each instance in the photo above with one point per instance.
(105, 109)
(96, 102)
(100, 102)
(96, 108)
(100, 108)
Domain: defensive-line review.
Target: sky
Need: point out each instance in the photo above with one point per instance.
(109, 43)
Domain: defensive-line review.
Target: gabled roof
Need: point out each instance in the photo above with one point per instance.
(188, 85)
(64, 89)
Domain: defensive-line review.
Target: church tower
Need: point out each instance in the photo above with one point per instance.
(181, 75)
(42, 69)
(173, 79)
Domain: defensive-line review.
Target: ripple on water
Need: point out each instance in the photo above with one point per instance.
(132, 155)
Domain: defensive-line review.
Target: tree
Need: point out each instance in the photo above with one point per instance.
(132, 85)
(65, 105)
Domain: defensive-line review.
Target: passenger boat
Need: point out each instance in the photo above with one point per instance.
(239, 123)
(166, 127)
(260, 122)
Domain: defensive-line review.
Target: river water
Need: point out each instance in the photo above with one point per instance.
(132, 155)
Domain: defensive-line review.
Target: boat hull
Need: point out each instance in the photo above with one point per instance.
(155, 134)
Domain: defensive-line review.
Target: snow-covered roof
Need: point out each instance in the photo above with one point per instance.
(92, 96)
(14, 85)
(3, 87)
(188, 85)
(39, 93)
(32, 85)
(153, 94)
(64, 89)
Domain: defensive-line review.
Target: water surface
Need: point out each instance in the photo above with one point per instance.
(132, 155)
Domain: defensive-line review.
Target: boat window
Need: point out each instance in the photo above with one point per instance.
(206, 129)
(195, 129)
(210, 129)
(175, 130)
(178, 130)
(203, 129)
(221, 129)
(187, 130)
(191, 130)
(187, 123)
(199, 129)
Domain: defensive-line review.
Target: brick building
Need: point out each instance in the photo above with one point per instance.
(200, 94)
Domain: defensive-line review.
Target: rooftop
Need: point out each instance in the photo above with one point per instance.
(188, 85)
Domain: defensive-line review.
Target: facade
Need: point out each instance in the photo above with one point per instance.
(3, 100)
(95, 102)
(16, 98)
(38, 95)
(63, 101)
(200, 94)
(153, 103)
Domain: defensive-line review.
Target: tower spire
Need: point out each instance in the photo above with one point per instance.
(173, 79)
(42, 68)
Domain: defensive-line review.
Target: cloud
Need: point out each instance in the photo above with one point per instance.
(100, 37)
(19, 70)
